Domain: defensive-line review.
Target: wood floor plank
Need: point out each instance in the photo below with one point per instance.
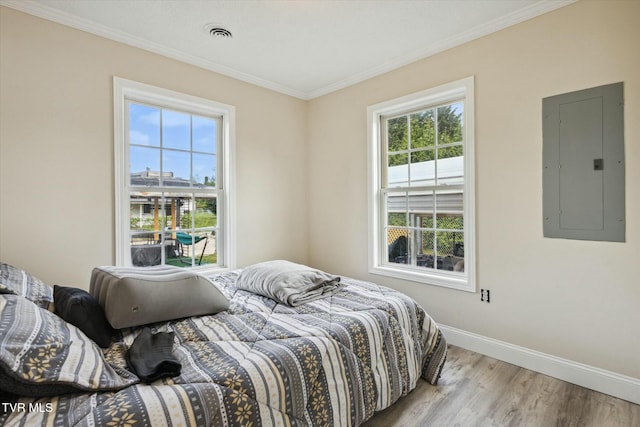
(477, 390)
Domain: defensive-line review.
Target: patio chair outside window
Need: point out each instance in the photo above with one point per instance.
(185, 239)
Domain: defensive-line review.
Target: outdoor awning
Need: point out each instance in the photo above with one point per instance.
(424, 202)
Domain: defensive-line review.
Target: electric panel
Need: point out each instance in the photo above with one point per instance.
(583, 164)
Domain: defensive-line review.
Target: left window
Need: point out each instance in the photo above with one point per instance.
(173, 173)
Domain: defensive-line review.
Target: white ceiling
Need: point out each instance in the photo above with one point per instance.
(303, 48)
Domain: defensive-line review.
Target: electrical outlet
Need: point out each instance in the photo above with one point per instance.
(485, 295)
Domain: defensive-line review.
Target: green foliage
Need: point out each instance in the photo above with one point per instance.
(202, 219)
(443, 222)
(186, 261)
(136, 223)
(449, 125)
(450, 222)
(398, 159)
(397, 219)
(423, 129)
(210, 205)
(397, 133)
(417, 131)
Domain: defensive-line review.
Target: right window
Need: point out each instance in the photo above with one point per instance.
(421, 186)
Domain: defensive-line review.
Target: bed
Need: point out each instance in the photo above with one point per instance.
(334, 360)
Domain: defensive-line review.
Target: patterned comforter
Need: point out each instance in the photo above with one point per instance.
(334, 361)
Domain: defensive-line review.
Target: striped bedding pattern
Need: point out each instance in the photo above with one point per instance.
(331, 362)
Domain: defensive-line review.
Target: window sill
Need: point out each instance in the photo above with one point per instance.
(460, 282)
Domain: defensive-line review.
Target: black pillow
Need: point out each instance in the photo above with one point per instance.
(82, 310)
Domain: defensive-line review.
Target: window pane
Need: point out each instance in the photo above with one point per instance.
(422, 156)
(422, 167)
(396, 206)
(422, 129)
(446, 242)
(449, 202)
(398, 171)
(204, 169)
(450, 165)
(421, 203)
(206, 212)
(194, 248)
(143, 237)
(176, 130)
(397, 134)
(427, 221)
(397, 219)
(176, 168)
(144, 125)
(450, 123)
(146, 217)
(144, 166)
(424, 248)
(449, 151)
(146, 255)
(205, 134)
(450, 222)
(448, 249)
(398, 159)
(172, 208)
(398, 245)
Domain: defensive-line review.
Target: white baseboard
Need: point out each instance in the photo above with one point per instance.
(611, 383)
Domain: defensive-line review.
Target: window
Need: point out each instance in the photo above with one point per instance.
(174, 193)
(421, 187)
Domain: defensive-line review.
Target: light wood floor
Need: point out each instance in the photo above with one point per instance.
(476, 390)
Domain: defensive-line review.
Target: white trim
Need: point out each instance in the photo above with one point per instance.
(41, 10)
(611, 383)
(229, 177)
(530, 12)
(124, 89)
(463, 88)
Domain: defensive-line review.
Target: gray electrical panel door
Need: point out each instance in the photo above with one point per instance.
(583, 164)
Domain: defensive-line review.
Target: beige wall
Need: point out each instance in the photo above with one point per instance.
(56, 150)
(573, 299)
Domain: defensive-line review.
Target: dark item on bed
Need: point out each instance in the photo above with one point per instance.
(287, 282)
(81, 309)
(151, 356)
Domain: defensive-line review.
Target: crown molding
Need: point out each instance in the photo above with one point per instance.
(535, 10)
(46, 12)
(41, 10)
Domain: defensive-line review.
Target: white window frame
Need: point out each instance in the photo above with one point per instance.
(127, 90)
(460, 90)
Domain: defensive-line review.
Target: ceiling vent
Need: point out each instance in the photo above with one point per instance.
(217, 31)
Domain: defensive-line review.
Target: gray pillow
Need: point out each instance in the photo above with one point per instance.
(143, 295)
(42, 355)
